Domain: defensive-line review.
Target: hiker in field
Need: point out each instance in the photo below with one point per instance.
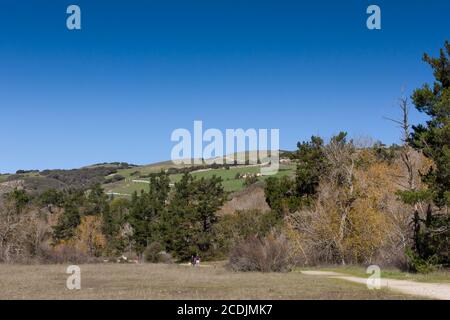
(197, 261)
(193, 260)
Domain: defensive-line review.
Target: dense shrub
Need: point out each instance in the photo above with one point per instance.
(420, 265)
(151, 253)
(235, 228)
(65, 253)
(80, 178)
(114, 178)
(155, 253)
(268, 254)
(251, 179)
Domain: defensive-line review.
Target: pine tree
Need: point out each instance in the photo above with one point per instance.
(310, 166)
(284, 195)
(432, 232)
(209, 198)
(147, 212)
(70, 218)
(179, 233)
(97, 200)
(192, 215)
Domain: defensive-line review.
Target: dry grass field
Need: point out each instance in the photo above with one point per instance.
(118, 281)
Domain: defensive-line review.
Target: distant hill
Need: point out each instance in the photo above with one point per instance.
(122, 178)
(136, 179)
(40, 181)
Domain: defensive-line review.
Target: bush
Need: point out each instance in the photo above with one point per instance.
(164, 257)
(235, 228)
(269, 254)
(155, 253)
(80, 178)
(250, 180)
(114, 178)
(152, 251)
(64, 253)
(420, 265)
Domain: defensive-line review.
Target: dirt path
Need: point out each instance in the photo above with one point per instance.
(438, 291)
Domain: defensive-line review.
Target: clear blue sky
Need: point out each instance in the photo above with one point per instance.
(115, 90)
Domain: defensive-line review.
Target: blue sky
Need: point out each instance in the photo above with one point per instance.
(115, 90)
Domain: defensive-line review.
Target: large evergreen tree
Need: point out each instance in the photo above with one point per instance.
(147, 211)
(177, 222)
(432, 232)
(310, 166)
(208, 199)
(192, 214)
(284, 195)
(70, 218)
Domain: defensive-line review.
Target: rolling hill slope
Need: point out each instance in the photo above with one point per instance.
(121, 178)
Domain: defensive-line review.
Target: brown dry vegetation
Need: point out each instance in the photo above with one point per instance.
(149, 281)
(251, 198)
(357, 217)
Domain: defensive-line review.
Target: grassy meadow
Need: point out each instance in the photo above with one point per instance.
(157, 281)
(230, 183)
